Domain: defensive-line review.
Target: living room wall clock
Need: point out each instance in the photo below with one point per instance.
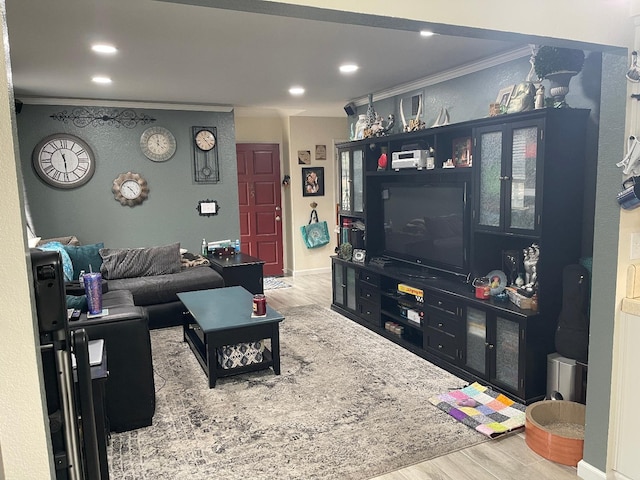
(158, 144)
(205, 155)
(63, 161)
(130, 189)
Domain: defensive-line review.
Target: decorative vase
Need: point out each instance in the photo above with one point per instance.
(559, 87)
(361, 124)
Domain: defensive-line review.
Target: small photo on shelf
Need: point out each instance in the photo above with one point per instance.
(462, 152)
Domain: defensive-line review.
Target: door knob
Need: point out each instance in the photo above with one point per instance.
(277, 218)
(277, 209)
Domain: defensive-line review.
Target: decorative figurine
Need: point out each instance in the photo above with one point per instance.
(378, 129)
(539, 103)
(531, 256)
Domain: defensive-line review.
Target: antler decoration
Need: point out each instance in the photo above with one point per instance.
(405, 128)
(414, 124)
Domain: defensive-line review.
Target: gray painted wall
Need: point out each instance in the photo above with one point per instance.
(169, 214)
(605, 259)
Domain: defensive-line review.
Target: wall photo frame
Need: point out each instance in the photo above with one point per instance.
(313, 182)
(321, 152)
(304, 157)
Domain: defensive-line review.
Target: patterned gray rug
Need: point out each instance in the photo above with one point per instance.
(348, 405)
(271, 283)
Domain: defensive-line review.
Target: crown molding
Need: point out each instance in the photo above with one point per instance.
(76, 102)
(447, 75)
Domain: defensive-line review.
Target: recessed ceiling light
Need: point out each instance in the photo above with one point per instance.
(426, 33)
(348, 68)
(100, 79)
(104, 48)
(296, 90)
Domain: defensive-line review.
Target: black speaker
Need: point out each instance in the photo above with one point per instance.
(350, 108)
(18, 104)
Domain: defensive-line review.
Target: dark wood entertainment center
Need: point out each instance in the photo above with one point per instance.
(525, 185)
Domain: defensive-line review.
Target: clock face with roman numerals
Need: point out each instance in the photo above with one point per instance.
(63, 161)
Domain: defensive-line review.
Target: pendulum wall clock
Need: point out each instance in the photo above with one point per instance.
(205, 155)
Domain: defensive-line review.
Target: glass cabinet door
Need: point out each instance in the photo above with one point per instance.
(345, 181)
(351, 288)
(358, 181)
(476, 335)
(507, 351)
(489, 206)
(338, 284)
(524, 154)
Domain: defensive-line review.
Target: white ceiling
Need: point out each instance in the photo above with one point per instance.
(198, 55)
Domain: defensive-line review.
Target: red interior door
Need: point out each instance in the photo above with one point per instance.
(260, 205)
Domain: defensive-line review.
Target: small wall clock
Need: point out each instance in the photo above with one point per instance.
(205, 155)
(130, 189)
(63, 161)
(158, 144)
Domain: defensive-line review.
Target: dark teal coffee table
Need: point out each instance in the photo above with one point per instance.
(222, 316)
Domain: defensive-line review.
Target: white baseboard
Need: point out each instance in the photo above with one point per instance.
(619, 476)
(589, 472)
(300, 273)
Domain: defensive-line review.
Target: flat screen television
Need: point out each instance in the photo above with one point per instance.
(427, 224)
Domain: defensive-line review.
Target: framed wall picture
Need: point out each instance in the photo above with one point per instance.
(321, 152)
(462, 152)
(313, 182)
(304, 157)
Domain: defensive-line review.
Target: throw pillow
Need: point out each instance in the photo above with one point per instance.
(140, 262)
(85, 257)
(67, 266)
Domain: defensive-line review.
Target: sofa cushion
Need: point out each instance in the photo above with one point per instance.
(140, 262)
(85, 257)
(67, 266)
(164, 288)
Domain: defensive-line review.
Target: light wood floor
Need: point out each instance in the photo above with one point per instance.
(507, 458)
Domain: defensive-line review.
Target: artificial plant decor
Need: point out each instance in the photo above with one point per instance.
(558, 65)
(550, 60)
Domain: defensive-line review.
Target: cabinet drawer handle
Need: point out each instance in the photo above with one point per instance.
(440, 324)
(440, 346)
(439, 303)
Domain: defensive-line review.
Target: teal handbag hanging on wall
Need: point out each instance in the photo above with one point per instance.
(315, 233)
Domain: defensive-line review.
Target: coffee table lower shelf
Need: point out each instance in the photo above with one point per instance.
(205, 352)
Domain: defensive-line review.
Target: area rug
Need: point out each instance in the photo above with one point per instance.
(271, 283)
(482, 409)
(349, 404)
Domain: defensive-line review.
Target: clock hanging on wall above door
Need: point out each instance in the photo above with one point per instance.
(205, 155)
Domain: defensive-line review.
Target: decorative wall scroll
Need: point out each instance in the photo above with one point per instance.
(99, 117)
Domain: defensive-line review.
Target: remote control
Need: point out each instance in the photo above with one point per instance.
(75, 315)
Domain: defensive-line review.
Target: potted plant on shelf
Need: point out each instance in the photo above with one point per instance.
(558, 65)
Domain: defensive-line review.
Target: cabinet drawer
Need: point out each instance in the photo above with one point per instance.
(440, 343)
(369, 311)
(443, 304)
(443, 323)
(369, 277)
(369, 293)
